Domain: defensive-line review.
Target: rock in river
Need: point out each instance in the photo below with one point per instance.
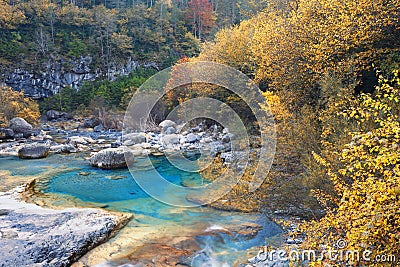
(170, 139)
(170, 130)
(99, 128)
(167, 124)
(34, 151)
(110, 158)
(20, 126)
(192, 138)
(35, 236)
(63, 148)
(134, 138)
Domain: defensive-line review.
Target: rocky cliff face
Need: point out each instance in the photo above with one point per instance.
(61, 73)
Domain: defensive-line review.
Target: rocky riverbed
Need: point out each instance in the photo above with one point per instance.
(62, 134)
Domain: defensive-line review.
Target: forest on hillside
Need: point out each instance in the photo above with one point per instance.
(328, 69)
(32, 32)
(44, 36)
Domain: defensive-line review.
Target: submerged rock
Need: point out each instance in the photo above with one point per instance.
(110, 158)
(34, 151)
(20, 126)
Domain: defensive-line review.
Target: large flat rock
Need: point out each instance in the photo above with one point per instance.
(34, 236)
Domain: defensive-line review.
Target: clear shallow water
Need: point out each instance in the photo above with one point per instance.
(116, 190)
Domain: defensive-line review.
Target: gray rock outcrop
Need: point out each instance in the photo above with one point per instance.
(35, 236)
(60, 73)
(20, 126)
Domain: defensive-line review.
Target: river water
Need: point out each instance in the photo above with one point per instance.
(199, 236)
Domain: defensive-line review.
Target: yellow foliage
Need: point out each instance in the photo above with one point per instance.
(292, 49)
(283, 183)
(14, 104)
(238, 55)
(10, 15)
(308, 57)
(302, 54)
(239, 198)
(367, 182)
(74, 15)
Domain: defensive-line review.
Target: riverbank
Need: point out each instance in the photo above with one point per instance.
(32, 235)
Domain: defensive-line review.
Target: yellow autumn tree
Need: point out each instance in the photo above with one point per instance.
(365, 211)
(296, 49)
(10, 15)
(232, 47)
(292, 49)
(15, 104)
(308, 56)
